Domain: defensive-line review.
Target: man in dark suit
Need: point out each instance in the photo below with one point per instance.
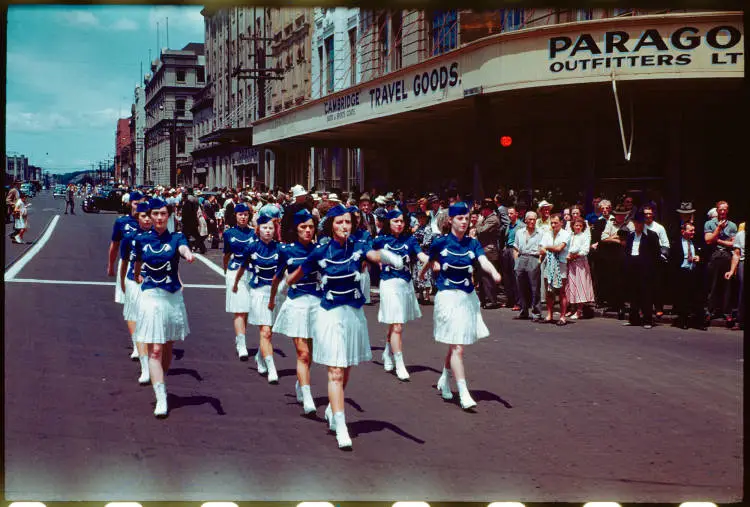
(687, 279)
(365, 211)
(641, 258)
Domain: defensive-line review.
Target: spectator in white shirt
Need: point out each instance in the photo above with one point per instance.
(528, 273)
(738, 266)
(580, 288)
(554, 250)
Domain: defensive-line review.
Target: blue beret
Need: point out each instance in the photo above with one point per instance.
(156, 204)
(271, 210)
(337, 211)
(263, 219)
(459, 208)
(394, 213)
(142, 207)
(380, 213)
(241, 208)
(302, 216)
(353, 209)
(136, 196)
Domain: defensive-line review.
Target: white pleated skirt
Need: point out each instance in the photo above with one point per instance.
(364, 283)
(457, 317)
(132, 298)
(341, 337)
(238, 302)
(161, 317)
(296, 318)
(119, 296)
(398, 303)
(259, 314)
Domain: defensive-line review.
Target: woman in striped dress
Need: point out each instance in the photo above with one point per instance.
(580, 287)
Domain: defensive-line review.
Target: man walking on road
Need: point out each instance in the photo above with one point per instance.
(70, 199)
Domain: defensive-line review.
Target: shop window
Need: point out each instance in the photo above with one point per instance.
(180, 75)
(444, 36)
(330, 64)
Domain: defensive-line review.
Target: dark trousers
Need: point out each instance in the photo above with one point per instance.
(719, 288)
(640, 285)
(487, 286)
(688, 297)
(741, 276)
(194, 239)
(71, 203)
(508, 267)
(660, 285)
(609, 272)
(528, 276)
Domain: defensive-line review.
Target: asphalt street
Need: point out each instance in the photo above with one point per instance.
(590, 411)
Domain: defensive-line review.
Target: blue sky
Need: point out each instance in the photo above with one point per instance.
(71, 73)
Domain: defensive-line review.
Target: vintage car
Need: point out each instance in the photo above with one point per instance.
(59, 192)
(105, 200)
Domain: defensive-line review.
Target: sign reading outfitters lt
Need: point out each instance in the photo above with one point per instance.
(618, 50)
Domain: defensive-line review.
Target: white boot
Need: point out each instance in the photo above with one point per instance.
(444, 384)
(308, 404)
(261, 363)
(161, 399)
(342, 433)
(401, 371)
(467, 401)
(145, 377)
(241, 346)
(298, 392)
(273, 376)
(134, 354)
(387, 361)
(330, 419)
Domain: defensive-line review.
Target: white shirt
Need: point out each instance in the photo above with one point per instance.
(636, 244)
(549, 240)
(685, 245)
(660, 231)
(739, 242)
(580, 243)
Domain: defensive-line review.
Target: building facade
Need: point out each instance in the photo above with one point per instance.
(138, 131)
(177, 76)
(123, 152)
(16, 167)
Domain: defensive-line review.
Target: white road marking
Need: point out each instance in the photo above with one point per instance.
(111, 284)
(20, 263)
(211, 264)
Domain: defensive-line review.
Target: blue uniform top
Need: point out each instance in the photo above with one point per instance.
(456, 259)
(291, 256)
(404, 246)
(122, 225)
(127, 249)
(236, 242)
(160, 257)
(362, 235)
(339, 267)
(262, 260)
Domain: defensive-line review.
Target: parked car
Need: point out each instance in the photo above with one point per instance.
(28, 189)
(59, 192)
(110, 200)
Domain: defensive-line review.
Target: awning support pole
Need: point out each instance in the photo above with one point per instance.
(626, 151)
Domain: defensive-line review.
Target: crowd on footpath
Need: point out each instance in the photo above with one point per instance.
(303, 264)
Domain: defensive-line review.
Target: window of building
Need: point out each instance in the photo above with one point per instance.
(383, 43)
(353, 56)
(584, 14)
(621, 12)
(200, 74)
(180, 75)
(181, 142)
(444, 31)
(397, 53)
(320, 67)
(330, 64)
(514, 19)
(179, 107)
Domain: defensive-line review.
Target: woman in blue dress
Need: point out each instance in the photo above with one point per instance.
(262, 256)
(398, 303)
(457, 317)
(296, 316)
(162, 318)
(341, 338)
(362, 234)
(130, 288)
(236, 241)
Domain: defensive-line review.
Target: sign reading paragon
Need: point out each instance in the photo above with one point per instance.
(615, 43)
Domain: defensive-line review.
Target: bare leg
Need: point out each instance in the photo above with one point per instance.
(447, 363)
(156, 370)
(266, 347)
(303, 346)
(240, 323)
(550, 304)
(336, 384)
(166, 357)
(563, 300)
(131, 327)
(394, 335)
(457, 362)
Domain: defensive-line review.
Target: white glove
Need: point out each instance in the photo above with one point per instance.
(394, 260)
(282, 287)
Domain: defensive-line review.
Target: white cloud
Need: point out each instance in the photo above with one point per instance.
(125, 24)
(23, 121)
(81, 18)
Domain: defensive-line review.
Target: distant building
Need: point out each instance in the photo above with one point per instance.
(138, 130)
(177, 76)
(16, 167)
(123, 152)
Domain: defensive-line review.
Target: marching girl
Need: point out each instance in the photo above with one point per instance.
(341, 338)
(263, 255)
(236, 240)
(296, 317)
(398, 303)
(162, 318)
(360, 233)
(130, 288)
(457, 316)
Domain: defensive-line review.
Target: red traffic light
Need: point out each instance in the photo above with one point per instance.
(506, 141)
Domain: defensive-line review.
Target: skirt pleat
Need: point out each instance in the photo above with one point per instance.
(119, 296)
(458, 319)
(238, 302)
(341, 337)
(296, 318)
(259, 314)
(580, 288)
(398, 303)
(132, 297)
(161, 317)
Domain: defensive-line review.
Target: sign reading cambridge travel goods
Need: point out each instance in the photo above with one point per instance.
(618, 50)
